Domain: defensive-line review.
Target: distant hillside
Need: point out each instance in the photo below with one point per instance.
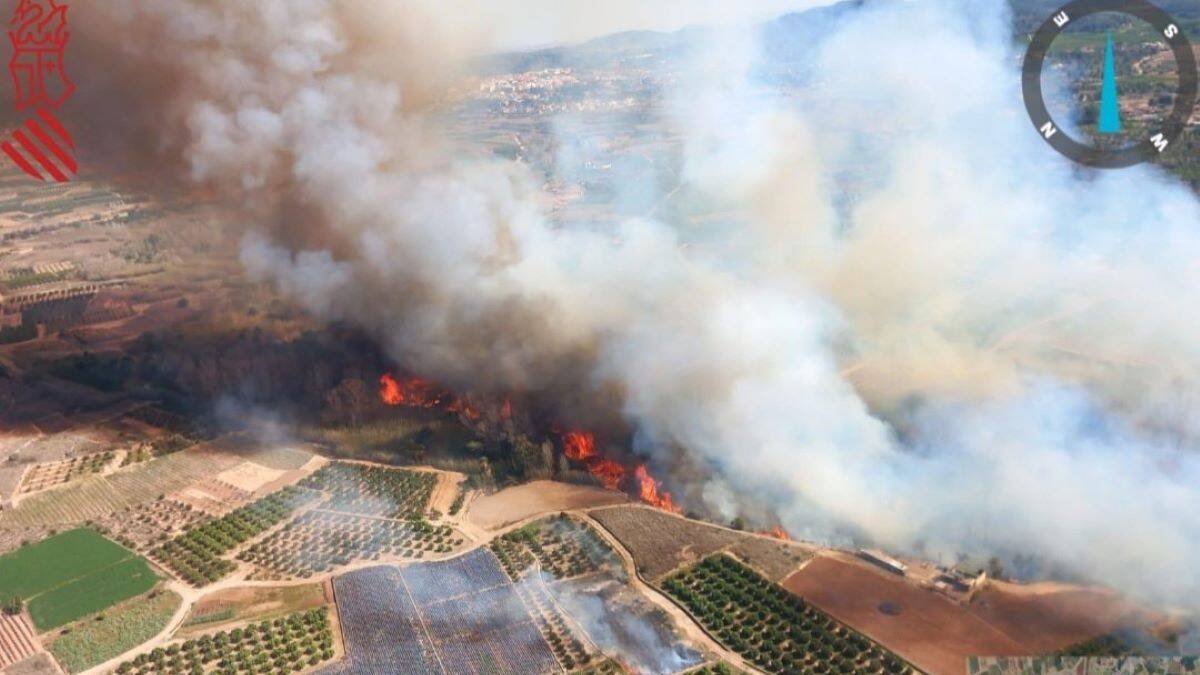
(1029, 14)
(788, 41)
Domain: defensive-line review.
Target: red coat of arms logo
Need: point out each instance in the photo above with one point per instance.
(39, 34)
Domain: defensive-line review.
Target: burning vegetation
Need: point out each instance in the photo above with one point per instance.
(410, 393)
(581, 447)
(414, 392)
(577, 446)
(778, 533)
(651, 492)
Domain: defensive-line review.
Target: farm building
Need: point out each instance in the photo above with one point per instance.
(881, 559)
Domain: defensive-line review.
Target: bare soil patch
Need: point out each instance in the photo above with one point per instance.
(661, 542)
(515, 504)
(446, 490)
(1049, 617)
(930, 631)
(38, 664)
(249, 476)
(213, 496)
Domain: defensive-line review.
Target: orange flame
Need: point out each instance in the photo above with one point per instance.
(777, 533)
(579, 445)
(610, 473)
(414, 392)
(411, 393)
(462, 407)
(651, 491)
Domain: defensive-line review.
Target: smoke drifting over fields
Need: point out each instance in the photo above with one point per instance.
(987, 351)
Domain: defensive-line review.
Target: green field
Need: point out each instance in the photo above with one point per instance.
(95, 640)
(71, 575)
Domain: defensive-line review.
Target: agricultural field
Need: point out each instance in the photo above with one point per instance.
(715, 669)
(318, 541)
(272, 456)
(95, 497)
(71, 575)
(380, 625)
(100, 637)
(149, 524)
(541, 497)
(457, 616)
(17, 639)
(236, 605)
(430, 583)
(661, 542)
(925, 628)
(38, 664)
(52, 474)
(213, 497)
(1048, 617)
(157, 447)
(17, 453)
(603, 668)
(196, 554)
(296, 642)
(777, 631)
(568, 650)
(373, 490)
(559, 546)
(620, 621)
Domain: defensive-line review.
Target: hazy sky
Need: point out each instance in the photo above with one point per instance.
(533, 23)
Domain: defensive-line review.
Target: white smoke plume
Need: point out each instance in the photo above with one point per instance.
(641, 635)
(988, 350)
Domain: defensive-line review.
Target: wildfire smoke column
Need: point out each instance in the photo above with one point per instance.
(1025, 334)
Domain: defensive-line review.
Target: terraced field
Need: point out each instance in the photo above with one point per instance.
(98, 496)
(17, 640)
(51, 474)
(196, 554)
